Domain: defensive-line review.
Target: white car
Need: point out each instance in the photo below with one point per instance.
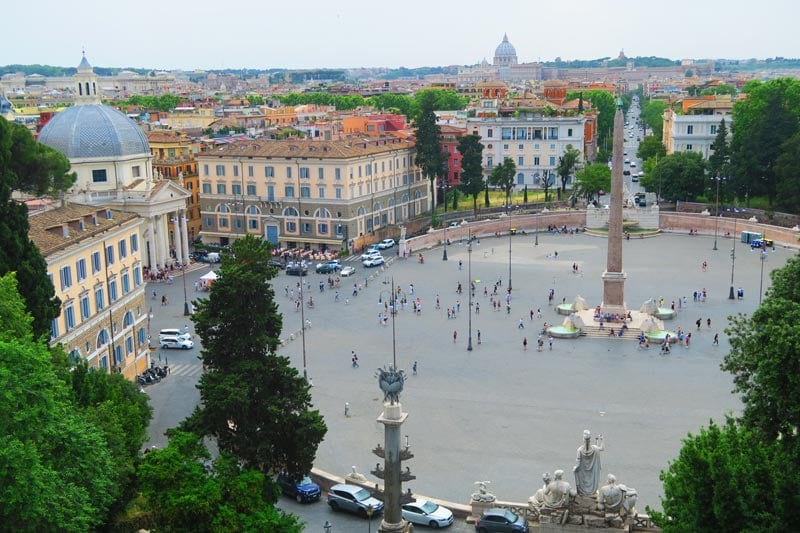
(176, 343)
(386, 243)
(347, 271)
(427, 513)
(371, 251)
(633, 164)
(373, 261)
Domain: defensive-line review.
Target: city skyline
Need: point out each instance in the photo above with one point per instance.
(351, 34)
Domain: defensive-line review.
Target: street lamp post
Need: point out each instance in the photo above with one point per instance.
(444, 219)
(536, 241)
(186, 310)
(733, 257)
(370, 511)
(469, 273)
(761, 283)
(716, 212)
(509, 249)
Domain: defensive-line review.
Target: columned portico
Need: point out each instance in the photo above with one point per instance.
(177, 236)
(184, 233)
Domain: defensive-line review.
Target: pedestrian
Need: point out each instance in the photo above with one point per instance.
(477, 308)
(458, 307)
(699, 321)
(550, 340)
(479, 336)
(459, 264)
(539, 312)
(347, 409)
(716, 340)
(708, 322)
(525, 343)
(531, 313)
(539, 343)
(154, 294)
(164, 299)
(455, 335)
(354, 358)
(521, 324)
(414, 368)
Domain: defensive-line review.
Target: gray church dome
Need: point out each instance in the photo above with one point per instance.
(87, 131)
(505, 53)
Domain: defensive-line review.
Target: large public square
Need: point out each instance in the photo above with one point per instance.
(501, 412)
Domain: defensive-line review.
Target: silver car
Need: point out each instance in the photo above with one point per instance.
(354, 499)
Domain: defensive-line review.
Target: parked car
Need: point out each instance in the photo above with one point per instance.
(761, 243)
(626, 172)
(427, 513)
(501, 521)
(277, 264)
(354, 499)
(173, 332)
(296, 269)
(372, 250)
(373, 261)
(176, 343)
(328, 267)
(386, 243)
(348, 271)
(303, 491)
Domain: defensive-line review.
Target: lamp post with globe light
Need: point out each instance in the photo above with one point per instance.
(716, 210)
(469, 288)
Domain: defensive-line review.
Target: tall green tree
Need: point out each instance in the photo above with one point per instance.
(722, 88)
(720, 159)
(472, 180)
(680, 176)
(56, 473)
(606, 106)
(254, 402)
(653, 116)
(762, 122)
(566, 166)
(787, 169)
(591, 179)
(18, 165)
(651, 146)
(186, 491)
(503, 176)
(428, 145)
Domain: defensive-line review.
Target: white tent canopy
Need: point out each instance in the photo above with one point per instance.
(210, 276)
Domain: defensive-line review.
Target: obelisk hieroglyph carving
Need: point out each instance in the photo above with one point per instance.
(614, 276)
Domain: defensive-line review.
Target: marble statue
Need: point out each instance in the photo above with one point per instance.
(356, 476)
(483, 494)
(616, 498)
(558, 493)
(536, 502)
(587, 467)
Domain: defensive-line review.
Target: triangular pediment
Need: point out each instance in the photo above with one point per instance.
(166, 190)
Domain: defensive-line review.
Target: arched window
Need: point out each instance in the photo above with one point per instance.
(102, 338)
(290, 212)
(417, 195)
(223, 208)
(377, 206)
(391, 202)
(405, 198)
(253, 210)
(322, 213)
(74, 355)
(128, 320)
(362, 211)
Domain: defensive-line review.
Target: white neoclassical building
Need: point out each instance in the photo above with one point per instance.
(111, 157)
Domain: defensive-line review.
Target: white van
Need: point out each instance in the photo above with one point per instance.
(173, 332)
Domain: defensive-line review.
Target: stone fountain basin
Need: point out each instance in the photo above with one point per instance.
(562, 332)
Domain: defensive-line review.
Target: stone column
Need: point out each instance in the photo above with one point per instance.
(392, 419)
(614, 276)
(161, 229)
(176, 231)
(152, 260)
(184, 234)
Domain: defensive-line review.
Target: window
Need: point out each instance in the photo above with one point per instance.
(235, 171)
(338, 191)
(688, 147)
(520, 159)
(129, 345)
(252, 224)
(236, 189)
(489, 133)
(321, 173)
(569, 132)
(54, 328)
(291, 227)
(553, 133)
(520, 179)
(222, 188)
(305, 191)
(288, 191)
(208, 222)
(95, 262)
(134, 242)
(112, 291)
(251, 189)
(288, 173)
(206, 188)
(136, 171)
(536, 161)
(306, 227)
(489, 162)
(269, 172)
(713, 129)
(205, 170)
(69, 316)
(337, 173)
(123, 248)
(304, 173)
(220, 170)
(520, 146)
(109, 255)
(321, 192)
(99, 299)
(271, 193)
(249, 171)
(505, 147)
(322, 229)
(80, 269)
(238, 223)
(552, 146)
(142, 336)
(85, 309)
(66, 277)
(137, 276)
(689, 129)
(118, 354)
(126, 283)
(99, 176)
(552, 160)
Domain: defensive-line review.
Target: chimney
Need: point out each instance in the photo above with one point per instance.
(109, 214)
(65, 230)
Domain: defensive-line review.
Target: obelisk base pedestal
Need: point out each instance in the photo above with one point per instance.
(614, 293)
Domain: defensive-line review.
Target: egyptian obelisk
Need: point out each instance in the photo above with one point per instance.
(614, 277)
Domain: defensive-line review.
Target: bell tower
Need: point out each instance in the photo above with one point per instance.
(85, 84)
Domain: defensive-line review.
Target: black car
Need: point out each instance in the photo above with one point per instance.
(277, 264)
(303, 491)
(501, 521)
(296, 269)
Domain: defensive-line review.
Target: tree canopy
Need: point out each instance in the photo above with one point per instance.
(253, 401)
(651, 146)
(502, 176)
(678, 176)
(566, 165)
(591, 179)
(653, 116)
(472, 180)
(429, 150)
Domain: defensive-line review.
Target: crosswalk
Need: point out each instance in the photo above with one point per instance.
(189, 370)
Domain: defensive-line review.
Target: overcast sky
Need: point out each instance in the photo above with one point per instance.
(167, 34)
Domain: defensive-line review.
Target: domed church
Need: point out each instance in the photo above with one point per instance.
(505, 54)
(112, 159)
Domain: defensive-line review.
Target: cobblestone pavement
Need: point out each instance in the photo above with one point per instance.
(500, 412)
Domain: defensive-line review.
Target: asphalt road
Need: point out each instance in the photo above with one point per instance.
(499, 412)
